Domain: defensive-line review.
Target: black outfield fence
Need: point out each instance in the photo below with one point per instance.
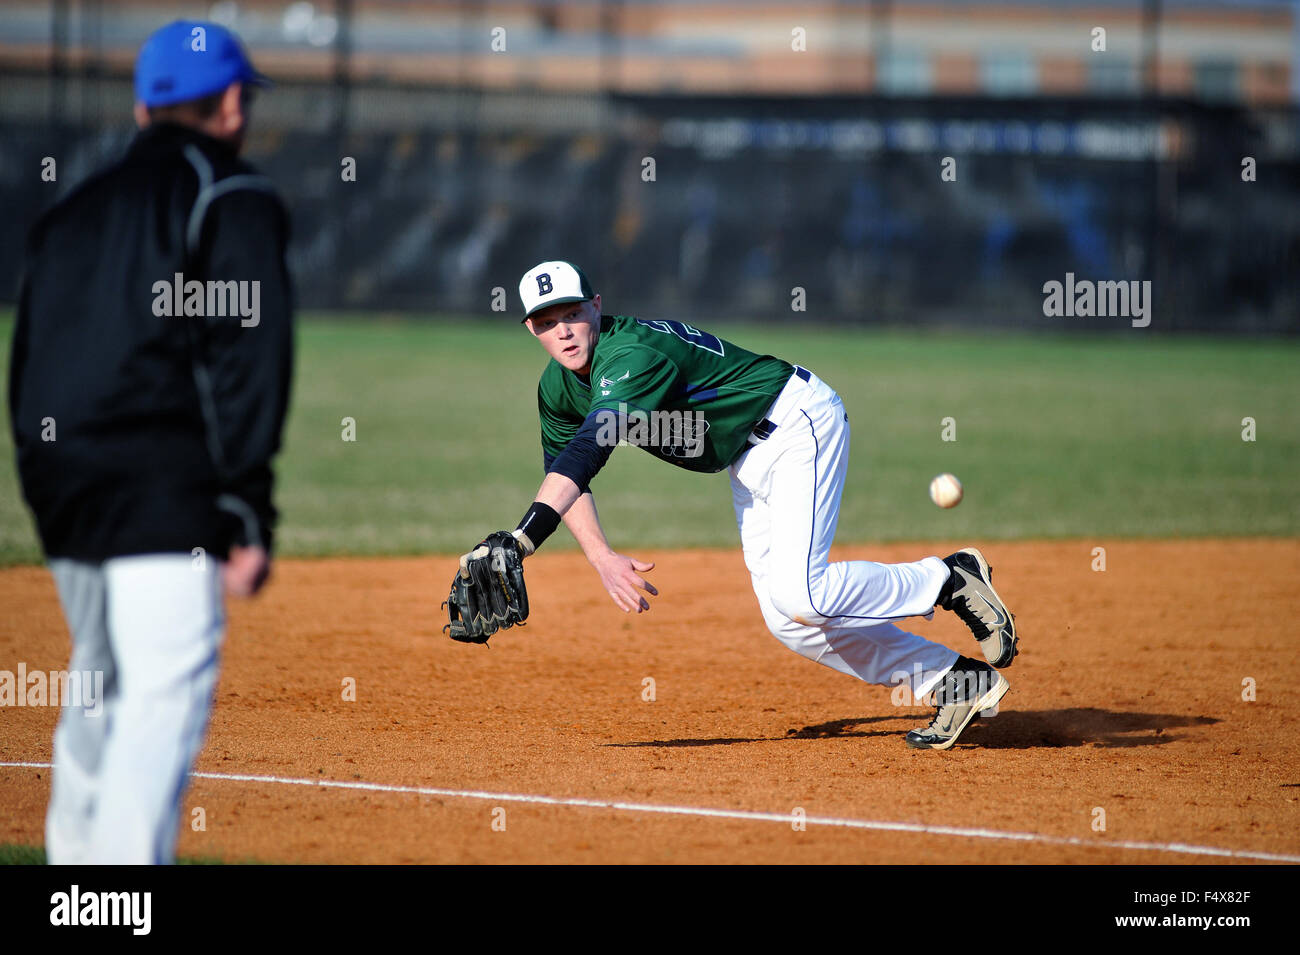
(853, 209)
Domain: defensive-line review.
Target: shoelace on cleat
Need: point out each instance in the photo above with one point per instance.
(945, 696)
(961, 607)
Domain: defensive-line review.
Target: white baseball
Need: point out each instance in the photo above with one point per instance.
(945, 490)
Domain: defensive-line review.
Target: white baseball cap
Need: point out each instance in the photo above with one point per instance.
(551, 283)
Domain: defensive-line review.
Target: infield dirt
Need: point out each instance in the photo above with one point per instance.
(1128, 697)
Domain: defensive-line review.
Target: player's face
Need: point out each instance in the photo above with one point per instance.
(568, 332)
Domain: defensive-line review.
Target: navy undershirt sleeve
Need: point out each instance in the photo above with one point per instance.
(584, 455)
(548, 460)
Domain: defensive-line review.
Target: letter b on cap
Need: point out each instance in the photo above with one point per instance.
(544, 286)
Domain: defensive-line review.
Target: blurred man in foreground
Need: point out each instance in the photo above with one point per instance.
(150, 377)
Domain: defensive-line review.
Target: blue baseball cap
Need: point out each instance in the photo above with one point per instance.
(190, 59)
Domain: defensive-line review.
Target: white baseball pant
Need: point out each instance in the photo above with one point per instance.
(153, 625)
(786, 489)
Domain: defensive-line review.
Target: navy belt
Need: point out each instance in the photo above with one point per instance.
(763, 430)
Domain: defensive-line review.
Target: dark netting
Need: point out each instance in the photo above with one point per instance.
(466, 177)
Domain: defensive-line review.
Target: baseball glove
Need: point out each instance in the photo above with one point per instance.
(487, 593)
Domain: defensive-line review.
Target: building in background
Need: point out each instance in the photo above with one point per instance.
(896, 161)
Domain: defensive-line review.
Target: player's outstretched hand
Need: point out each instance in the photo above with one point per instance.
(622, 579)
(246, 570)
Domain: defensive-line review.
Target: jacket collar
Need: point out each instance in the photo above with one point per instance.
(171, 137)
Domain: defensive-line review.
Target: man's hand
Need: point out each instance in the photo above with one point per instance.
(622, 578)
(246, 570)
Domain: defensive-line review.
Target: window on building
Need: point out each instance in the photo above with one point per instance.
(1111, 74)
(903, 72)
(1008, 74)
(1217, 80)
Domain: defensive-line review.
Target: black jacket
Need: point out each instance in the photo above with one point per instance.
(139, 432)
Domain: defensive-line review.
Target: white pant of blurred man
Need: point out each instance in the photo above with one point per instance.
(152, 625)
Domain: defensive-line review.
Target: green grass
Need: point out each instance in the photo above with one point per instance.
(15, 854)
(1125, 435)
(12, 854)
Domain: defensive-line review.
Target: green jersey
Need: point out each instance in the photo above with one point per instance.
(687, 397)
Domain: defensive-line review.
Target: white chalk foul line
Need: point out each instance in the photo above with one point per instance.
(744, 815)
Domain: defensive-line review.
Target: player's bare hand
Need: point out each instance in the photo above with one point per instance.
(246, 570)
(623, 581)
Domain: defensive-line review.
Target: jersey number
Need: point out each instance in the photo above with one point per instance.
(692, 336)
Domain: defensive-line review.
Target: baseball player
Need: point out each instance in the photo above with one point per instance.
(150, 376)
(705, 404)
